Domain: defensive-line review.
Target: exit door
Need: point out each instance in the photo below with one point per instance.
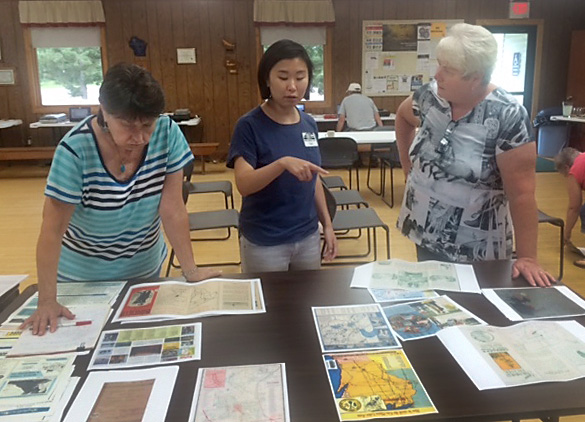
(514, 70)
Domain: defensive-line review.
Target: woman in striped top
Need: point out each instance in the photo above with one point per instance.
(115, 177)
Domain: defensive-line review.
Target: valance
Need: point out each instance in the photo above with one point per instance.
(293, 12)
(57, 13)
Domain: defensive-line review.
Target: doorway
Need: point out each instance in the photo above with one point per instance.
(515, 67)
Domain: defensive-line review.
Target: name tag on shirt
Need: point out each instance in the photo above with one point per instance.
(310, 139)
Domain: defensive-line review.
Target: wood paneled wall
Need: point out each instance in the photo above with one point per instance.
(220, 98)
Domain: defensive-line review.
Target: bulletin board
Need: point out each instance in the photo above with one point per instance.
(398, 56)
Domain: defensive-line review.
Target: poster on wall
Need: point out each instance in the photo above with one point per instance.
(398, 57)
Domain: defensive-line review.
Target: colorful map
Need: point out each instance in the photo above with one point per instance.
(376, 385)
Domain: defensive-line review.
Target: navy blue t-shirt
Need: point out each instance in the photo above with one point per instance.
(285, 210)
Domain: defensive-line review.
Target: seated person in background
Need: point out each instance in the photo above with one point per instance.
(470, 167)
(360, 111)
(571, 164)
(114, 178)
(275, 155)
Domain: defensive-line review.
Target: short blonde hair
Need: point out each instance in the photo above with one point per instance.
(469, 48)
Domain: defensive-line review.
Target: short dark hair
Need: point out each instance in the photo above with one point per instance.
(129, 91)
(281, 50)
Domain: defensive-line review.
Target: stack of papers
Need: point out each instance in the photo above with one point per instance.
(76, 335)
(35, 389)
(176, 299)
(72, 295)
(7, 282)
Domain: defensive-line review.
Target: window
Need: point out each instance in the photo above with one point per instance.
(66, 66)
(316, 40)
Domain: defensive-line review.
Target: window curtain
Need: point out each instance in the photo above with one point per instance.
(61, 13)
(293, 12)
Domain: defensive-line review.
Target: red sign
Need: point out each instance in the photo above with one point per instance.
(519, 9)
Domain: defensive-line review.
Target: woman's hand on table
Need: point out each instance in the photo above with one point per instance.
(46, 317)
(201, 274)
(531, 270)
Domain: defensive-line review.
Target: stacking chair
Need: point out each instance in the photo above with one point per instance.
(207, 220)
(557, 222)
(355, 219)
(221, 186)
(344, 198)
(334, 182)
(386, 156)
(339, 153)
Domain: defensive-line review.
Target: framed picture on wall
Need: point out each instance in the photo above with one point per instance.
(7, 77)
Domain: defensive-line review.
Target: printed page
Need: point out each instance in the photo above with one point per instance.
(353, 327)
(425, 318)
(519, 304)
(416, 276)
(526, 353)
(255, 393)
(380, 384)
(157, 301)
(67, 338)
(7, 282)
(147, 346)
(101, 391)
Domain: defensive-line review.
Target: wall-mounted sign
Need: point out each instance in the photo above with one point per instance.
(7, 77)
(519, 10)
(186, 56)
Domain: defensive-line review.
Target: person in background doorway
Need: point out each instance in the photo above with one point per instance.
(114, 179)
(470, 166)
(275, 155)
(359, 111)
(571, 164)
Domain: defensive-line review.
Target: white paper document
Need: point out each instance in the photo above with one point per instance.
(249, 393)
(178, 299)
(104, 395)
(353, 327)
(68, 338)
(147, 346)
(526, 353)
(427, 275)
(72, 294)
(7, 282)
(425, 318)
(395, 295)
(376, 384)
(520, 304)
(35, 389)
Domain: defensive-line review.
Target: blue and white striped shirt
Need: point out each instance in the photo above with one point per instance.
(115, 230)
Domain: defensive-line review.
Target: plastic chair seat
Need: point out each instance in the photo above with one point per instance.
(347, 197)
(334, 182)
(220, 186)
(357, 219)
(208, 220)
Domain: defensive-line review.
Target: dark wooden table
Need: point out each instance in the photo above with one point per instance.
(286, 333)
